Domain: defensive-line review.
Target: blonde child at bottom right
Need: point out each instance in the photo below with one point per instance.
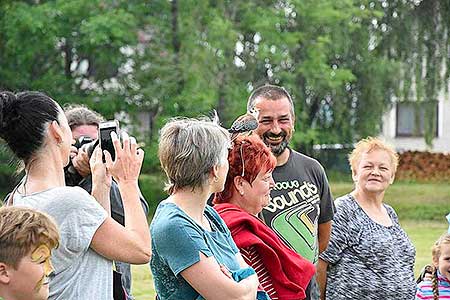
(439, 286)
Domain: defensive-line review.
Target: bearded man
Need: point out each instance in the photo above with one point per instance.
(301, 207)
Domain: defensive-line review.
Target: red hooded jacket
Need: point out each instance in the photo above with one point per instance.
(290, 272)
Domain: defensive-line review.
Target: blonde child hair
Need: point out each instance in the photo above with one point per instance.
(22, 230)
(436, 253)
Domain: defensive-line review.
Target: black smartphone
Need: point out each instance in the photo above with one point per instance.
(104, 136)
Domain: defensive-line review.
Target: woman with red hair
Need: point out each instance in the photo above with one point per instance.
(283, 273)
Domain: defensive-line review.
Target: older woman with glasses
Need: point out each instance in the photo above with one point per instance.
(369, 255)
(283, 273)
(194, 255)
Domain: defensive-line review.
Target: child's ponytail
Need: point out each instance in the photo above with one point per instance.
(436, 253)
(434, 285)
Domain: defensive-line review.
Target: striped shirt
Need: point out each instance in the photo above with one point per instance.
(253, 259)
(425, 289)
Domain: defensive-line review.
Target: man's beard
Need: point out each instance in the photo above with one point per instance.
(278, 149)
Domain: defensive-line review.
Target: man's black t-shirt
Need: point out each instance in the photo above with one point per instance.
(300, 200)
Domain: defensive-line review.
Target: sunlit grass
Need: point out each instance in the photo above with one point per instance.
(411, 201)
(142, 283)
(423, 235)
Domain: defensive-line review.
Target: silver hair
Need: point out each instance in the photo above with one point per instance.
(78, 115)
(189, 149)
(269, 92)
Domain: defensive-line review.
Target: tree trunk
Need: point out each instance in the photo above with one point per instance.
(67, 48)
(176, 44)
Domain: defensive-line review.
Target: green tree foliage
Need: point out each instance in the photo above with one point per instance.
(341, 60)
(220, 50)
(70, 49)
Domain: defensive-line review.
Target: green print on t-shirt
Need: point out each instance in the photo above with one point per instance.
(295, 210)
(300, 201)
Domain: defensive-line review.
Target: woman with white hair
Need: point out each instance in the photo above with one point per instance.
(194, 255)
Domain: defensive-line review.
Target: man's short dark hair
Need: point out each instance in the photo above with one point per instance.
(269, 92)
(78, 115)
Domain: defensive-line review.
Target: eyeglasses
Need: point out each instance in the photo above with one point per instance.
(242, 158)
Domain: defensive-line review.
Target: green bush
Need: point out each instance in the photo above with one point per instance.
(151, 160)
(8, 175)
(152, 187)
(338, 176)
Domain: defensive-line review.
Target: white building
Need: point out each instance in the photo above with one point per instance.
(403, 126)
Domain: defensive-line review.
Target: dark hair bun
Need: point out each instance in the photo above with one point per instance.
(6, 101)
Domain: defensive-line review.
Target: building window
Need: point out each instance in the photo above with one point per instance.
(411, 118)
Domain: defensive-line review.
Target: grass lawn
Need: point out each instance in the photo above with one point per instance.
(412, 201)
(142, 288)
(420, 207)
(423, 235)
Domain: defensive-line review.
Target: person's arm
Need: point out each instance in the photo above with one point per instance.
(130, 243)
(207, 278)
(327, 210)
(254, 260)
(420, 295)
(323, 237)
(322, 277)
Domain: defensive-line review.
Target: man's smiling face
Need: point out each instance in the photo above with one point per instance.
(275, 123)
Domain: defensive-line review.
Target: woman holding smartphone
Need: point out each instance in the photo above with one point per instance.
(36, 130)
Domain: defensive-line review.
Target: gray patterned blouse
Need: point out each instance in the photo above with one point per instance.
(368, 260)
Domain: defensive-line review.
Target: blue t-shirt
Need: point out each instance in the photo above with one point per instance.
(177, 241)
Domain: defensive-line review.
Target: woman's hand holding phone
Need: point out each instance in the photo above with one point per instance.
(128, 161)
(101, 179)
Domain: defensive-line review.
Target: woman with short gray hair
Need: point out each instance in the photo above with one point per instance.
(194, 255)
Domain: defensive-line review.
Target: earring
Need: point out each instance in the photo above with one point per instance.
(241, 192)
